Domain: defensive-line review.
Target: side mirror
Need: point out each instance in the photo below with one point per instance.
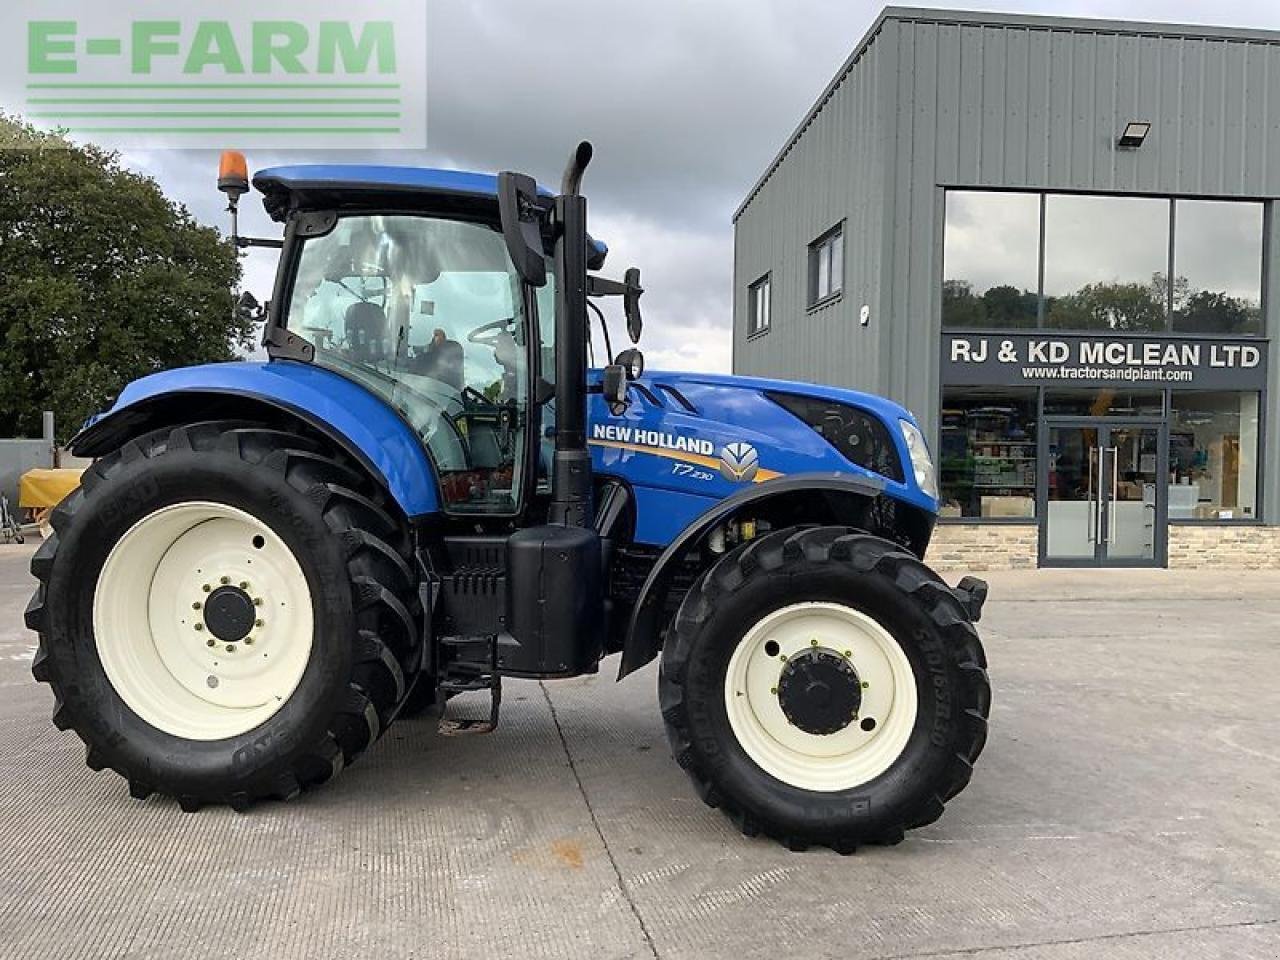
(522, 226)
(615, 388)
(631, 304)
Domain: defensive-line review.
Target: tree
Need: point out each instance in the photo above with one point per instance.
(1209, 312)
(960, 308)
(1123, 307)
(102, 280)
(1010, 307)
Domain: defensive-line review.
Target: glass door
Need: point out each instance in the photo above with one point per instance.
(1132, 496)
(1104, 505)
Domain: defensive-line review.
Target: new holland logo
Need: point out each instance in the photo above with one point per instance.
(739, 462)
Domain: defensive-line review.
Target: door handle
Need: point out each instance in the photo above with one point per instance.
(1115, 492)
(1095, 500)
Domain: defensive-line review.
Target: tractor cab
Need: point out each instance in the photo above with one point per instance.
(402, 281)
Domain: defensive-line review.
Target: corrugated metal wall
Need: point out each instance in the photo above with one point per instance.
(833, 173)
(1012, 102)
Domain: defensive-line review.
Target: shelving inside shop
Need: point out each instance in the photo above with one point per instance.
(988, 463)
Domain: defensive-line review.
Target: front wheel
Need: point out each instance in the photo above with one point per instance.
(824, 687)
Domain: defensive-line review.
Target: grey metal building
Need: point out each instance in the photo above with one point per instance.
(1054, 240)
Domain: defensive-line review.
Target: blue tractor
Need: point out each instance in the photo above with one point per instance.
(429, 487)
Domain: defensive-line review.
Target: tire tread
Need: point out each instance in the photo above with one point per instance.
(863, 553)
(386, 649)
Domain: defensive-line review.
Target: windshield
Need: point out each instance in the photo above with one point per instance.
(428, 314)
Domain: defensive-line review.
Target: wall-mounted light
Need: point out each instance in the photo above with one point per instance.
(1135, 132)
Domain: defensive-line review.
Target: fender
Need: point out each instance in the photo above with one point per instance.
(802, 497)
(361, 423)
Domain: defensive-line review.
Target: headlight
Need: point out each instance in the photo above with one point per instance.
(921, 462)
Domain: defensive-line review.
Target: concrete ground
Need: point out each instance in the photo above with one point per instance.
(1126, 806)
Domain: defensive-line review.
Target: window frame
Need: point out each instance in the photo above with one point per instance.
(1260, 472)
(1172, 200)
(754, 289)
(295, 241)
(1165, 422)
(1036, 395)
(825, 242)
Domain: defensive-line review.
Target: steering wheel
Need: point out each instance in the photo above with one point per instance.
(488, 334)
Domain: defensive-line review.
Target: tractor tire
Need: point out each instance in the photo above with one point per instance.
(824, 687)
(226, 614)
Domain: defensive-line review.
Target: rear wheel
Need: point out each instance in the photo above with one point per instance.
(226, 613)
(824, 687)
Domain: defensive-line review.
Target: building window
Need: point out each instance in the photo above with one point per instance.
(1217, 266)
(826, 266)
(758, 297)
(988, 454)
(1213, 456)
(991, 259)
(1106, 260)
(1092, 262)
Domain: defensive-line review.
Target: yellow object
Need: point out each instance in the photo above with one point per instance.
(43, 489)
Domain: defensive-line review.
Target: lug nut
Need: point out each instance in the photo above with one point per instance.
(257, 601)
(813, 642)
(212, 642)
(225, 580)
(199, 627)
(774, 691)
(206, 588)
(865, 684)
(248, 641)
(230, 648)
(258, 623)
(244, 584)
(196, 605)
(848, 654)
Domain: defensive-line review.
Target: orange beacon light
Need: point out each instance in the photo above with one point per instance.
(233, 174)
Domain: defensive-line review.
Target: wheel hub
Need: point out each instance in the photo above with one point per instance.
(227, 611)
(819, 692)
(229, 614)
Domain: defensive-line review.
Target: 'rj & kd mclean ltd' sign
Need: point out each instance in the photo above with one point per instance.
(1083, 360)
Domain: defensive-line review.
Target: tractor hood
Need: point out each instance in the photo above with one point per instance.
(708, 435)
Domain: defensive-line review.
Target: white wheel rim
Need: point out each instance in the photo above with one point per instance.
(151, 635)
(830, 762)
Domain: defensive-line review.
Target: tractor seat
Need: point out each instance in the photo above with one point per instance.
(365, 326)
(444, 362)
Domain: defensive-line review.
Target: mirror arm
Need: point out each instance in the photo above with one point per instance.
(630, 290)
(244, 242)
(601, 287)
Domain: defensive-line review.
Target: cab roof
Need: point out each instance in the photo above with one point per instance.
(337, 184)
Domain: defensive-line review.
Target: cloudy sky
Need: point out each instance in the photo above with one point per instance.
(686, 102)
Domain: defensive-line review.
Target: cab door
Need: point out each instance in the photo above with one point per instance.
(429, 313)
